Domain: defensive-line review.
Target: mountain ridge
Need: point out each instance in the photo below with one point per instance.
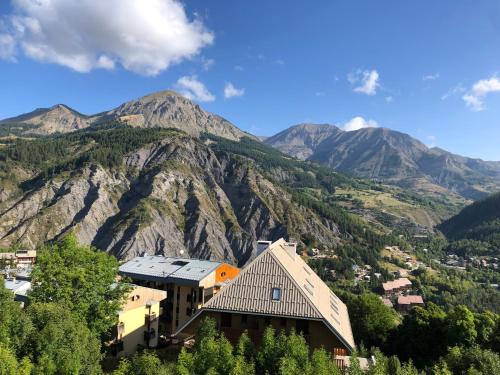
(388, 155)
(167, 109)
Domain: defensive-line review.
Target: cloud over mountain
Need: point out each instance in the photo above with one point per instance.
(145, 37)
(357, 123)
(193, 89)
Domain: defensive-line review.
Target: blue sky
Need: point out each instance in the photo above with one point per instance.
(427, 68)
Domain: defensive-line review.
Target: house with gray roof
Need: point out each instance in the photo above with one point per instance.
(278, 289)
(189, 284)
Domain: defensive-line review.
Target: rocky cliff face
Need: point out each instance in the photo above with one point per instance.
(385, 154)
(170, 196)
(165, 109)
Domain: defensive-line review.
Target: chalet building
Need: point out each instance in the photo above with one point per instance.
(18, 258)
(138, 321)
(397, 286)
(405, 303)
(26, 257)
(278, 289)
(189, 284)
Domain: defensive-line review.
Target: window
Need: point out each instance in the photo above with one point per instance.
(309, 290)
(276, 294)
(283, 322)
(225, 320)
(222, 274)
(200, 294)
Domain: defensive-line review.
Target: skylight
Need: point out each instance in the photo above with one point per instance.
(276, 294)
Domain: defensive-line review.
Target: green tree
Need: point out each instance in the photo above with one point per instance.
(185, 363)
(354, 366)
(461, 327)
(15, 326)
(486, 324)
(322, 363)
(81, 278)
(372, 321)
(61, 343)
(9, 364)
(429, 336)
(462, 360)
(148, 363)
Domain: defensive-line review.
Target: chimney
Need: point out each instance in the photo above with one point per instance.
(262, 245)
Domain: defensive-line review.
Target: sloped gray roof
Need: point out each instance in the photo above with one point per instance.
(303, 293)
(166, 269)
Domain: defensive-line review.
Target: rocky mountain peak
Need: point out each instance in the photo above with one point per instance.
(165, 109)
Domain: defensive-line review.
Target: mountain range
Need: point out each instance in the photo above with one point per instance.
(390, 156)
(164, 109)
(161, 175)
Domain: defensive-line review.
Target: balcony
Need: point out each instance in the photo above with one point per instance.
(150, 318)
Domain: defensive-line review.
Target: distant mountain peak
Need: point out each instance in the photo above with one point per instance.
(385, 154)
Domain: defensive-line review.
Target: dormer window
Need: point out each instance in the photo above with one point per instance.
(276, 294)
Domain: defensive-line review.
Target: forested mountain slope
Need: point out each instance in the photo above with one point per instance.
(478, 222)
(129, 191)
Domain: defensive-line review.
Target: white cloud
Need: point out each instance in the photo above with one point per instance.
(430, 77)
(143, 36)
(207, 63)
(357, 123)
(238, 68)
(279, 62)
(230, 91)
(458, 89)
(389, 99)
(474, 99)
(7, 47)
(366, 81)
(191, 88)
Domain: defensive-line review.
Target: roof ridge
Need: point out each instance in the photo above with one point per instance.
(244, 271)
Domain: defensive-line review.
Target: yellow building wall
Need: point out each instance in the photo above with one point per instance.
(134, 324)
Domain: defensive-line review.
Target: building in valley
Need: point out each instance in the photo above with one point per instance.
(189, 284)
(138, 321)
(278, 289)
(405, 303)
(397, 286)
(20, 258)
